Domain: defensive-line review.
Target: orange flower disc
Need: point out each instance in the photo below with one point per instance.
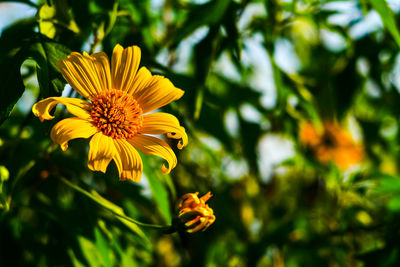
(116, 114)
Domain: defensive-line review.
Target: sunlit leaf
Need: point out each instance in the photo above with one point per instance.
(387, 17)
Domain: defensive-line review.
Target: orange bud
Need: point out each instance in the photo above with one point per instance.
(194, 213)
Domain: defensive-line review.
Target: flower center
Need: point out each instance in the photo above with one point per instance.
(116, 114)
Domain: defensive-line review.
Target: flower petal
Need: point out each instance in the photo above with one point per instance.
(161, 123)
(154, 146)
(71, 128)
(77, 107)
(153, 91)
(101, 152)
(102, 67)
(142, 80)
(128, 161)
(124, 65)
(87, 74)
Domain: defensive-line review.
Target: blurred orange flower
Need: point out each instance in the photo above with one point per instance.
(195, 213)
(120, 94)
(333, 143)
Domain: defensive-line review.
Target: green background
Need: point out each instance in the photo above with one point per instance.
(252, 71)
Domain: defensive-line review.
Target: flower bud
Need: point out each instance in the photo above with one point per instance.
(194, 213)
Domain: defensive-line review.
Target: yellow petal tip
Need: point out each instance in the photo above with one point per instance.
(165, 170)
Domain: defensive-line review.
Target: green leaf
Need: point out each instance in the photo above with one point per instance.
(207, 14)
(15, 50)
(4, 175)
(204, 56)
(11, 58)
(159, 191)
(46, 26)
(74, 260)
(102, 245)
(90, 252)
(387, 17)
(127, 255)
(118, 212)
(46, 54)
(389, 185)
(394, 204)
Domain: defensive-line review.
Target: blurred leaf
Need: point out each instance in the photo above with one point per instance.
(103, 247)
(387, 17)
(116, 210)
(207, 14)
(389, 185)
(381, 257)
(4, 175)
(211, 120)
(126, 256)
(159, 192)
(90, 252)
(250, 133)
(394, 204)
(75, 261)
(204, 56)
(46, 26)
(30, 3)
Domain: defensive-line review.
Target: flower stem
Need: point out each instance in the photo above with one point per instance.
(167, 229)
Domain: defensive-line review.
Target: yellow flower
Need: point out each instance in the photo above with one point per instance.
(332, 144)
(115, 115)
(195, 213)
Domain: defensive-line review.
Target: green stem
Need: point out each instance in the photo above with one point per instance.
(164, 228)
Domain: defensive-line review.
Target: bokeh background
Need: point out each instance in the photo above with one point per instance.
(292, 110)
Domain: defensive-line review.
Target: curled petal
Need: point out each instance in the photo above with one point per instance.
(154, 146)
(128, 161)
(75, 106)
(164, 123)
(88, 75)
(71, 128)
(206, 197)
(189, 200)
(153, 91)
(193, 221)
(202, 225)
(101, 152)
(124, 65)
